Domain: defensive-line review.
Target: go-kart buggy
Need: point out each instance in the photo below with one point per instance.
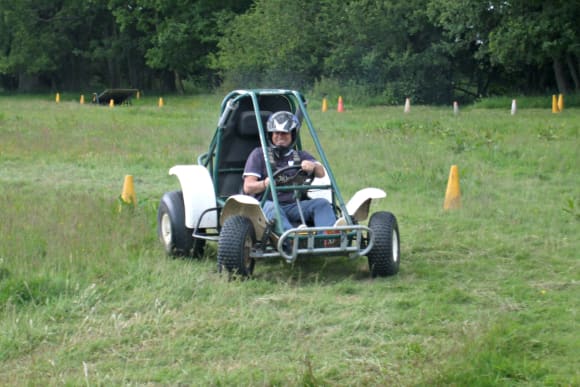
(211, 206)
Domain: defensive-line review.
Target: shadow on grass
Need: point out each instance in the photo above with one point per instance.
(312, 270)
(304, 271)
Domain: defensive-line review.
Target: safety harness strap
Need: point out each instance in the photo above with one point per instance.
(272, 160)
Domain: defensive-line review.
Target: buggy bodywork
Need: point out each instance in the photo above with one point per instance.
(212, 207)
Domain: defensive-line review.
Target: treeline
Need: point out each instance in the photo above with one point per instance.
(434, 51)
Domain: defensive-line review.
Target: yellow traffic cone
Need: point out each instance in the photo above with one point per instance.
(82, 100)
(160, 104)
(111, 102)
(561, 103)
(324, 104)
(554, 104)
(452, 194)
(128, 195)
(57, 98)
(138, 94)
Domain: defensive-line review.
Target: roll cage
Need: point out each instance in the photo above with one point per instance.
(241, 128)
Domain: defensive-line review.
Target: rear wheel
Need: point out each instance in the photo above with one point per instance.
(177, 239)
(384, 257)
(237, 237)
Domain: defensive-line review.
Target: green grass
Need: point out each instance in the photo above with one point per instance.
(487, 294)
(527, 102)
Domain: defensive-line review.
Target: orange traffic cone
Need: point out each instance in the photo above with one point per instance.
(128, 195)
(407, 105)
(324, 104)
(452, 194)
(340, 107)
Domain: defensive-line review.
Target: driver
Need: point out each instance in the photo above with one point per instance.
(283, 130)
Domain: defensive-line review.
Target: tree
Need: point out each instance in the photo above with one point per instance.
(56, 44)
(177, 36)
(137, 43)
(389, 48)
(34, 42)
(465, 41)
(383, 46)
(433, 51)
(277, 43)
(541, 34)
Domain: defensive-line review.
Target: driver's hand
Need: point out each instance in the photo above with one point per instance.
(308, 166)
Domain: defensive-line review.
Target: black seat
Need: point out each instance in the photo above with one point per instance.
(240, 137)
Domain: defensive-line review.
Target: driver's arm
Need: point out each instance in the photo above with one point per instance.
(253, 186)
(313, 167)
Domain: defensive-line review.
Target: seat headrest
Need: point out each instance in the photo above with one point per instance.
(247, 125)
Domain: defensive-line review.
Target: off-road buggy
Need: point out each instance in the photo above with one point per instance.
(211, 206)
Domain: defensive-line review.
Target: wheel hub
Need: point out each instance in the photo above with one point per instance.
(166, 229)
(395, 246)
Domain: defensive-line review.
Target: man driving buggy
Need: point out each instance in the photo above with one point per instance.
(283, 128)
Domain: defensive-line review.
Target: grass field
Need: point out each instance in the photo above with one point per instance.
(487, 294)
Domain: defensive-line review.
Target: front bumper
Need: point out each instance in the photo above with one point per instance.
(353, 241)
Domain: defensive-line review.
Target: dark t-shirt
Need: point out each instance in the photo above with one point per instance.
(256, 166)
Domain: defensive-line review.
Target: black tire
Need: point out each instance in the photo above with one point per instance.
(177, 239)
(384, 258)
(237, 237)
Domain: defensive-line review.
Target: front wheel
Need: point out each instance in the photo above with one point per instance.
(237, 237)
(177, 239)
(384, 257)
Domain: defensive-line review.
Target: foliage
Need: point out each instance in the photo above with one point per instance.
(36, 35)
(271, 46)
(178, 36)
(465, 28)
(540, 33)
(515, 41)
(116, 43)
(434, 51)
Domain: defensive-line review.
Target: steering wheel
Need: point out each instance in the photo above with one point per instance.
(300, 177)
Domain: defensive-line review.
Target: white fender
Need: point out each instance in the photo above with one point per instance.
(247, 206)
(358, 206)
(198, 194)
(321, 193)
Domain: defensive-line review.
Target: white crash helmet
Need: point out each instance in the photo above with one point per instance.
(285, 122)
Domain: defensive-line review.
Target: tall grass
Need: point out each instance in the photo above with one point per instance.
(487, 294)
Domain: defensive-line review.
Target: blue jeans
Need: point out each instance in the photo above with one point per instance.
(318, 211)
